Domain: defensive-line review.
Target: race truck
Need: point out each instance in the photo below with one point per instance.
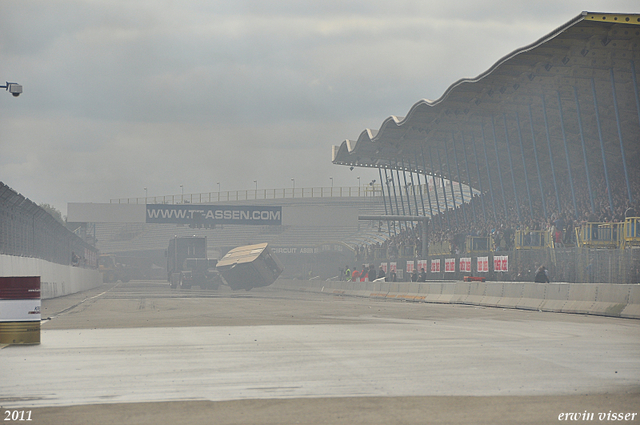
(250, 266)
(188, 265)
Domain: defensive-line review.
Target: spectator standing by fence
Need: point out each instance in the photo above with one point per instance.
(541, 275)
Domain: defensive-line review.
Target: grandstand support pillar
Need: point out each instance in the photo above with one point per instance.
(455, 159)
(635, 88)
(426, 181)
(584, 149)
(604, 159)
(400, 189)
(453, 195)
(466, 164)
(566, 152)
(406, 187)
(444, 190)
(395, 195)
(384, 199)
(535, 154)
(424, 209)
(486, 160)
(387, 180)
(421, 219)
(524, 164)
(475, 155)
(425, 238)
(413, 188)
(615, 108)
(495, 140)
(435, 187)
(513, 178)
(553, 168)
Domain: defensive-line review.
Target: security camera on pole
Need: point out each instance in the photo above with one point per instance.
(14, 88)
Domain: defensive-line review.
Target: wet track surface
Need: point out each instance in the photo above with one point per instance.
(143, 342)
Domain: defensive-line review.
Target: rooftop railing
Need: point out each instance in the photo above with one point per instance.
(366, 191)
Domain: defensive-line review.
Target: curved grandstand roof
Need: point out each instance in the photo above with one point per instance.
(569, 98)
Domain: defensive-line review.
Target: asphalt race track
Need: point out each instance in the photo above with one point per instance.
(141, 353)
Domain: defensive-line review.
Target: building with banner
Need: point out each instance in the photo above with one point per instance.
(312, 235)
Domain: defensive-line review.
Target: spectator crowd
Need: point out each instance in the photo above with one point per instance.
(487, 217)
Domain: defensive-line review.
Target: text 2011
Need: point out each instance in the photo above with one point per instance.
(17, 415)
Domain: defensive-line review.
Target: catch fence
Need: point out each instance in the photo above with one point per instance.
(28, 230)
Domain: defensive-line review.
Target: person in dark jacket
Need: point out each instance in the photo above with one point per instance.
(414, 276)
(541, 275)
(372, 273)
(422, 277)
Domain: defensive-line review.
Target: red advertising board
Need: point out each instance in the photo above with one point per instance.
(465, 265)
(483, 264)
(410, 266)
(501, 263)
(449, 265)
(20, 310)
(19, 288)
(435, 266)
(422, 265)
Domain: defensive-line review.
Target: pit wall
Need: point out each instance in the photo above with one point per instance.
(56, 280)
(616, 300)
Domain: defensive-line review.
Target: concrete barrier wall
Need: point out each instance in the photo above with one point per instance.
(633, 307)
(492, 294)
(56, 280)
(511, 294)
(617, 300)
(532, 296)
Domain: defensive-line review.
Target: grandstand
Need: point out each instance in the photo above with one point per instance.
(550, 136)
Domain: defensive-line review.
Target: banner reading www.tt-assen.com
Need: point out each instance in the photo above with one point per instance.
(214, 214)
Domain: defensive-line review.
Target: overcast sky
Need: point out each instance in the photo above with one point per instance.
(122, 95)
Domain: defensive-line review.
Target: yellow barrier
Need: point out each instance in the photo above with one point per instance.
(440, 248)
(600, 235)
(533, 239)
(632, 231)
(476, 244)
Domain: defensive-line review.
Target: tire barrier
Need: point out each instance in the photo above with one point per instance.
(614, 300)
